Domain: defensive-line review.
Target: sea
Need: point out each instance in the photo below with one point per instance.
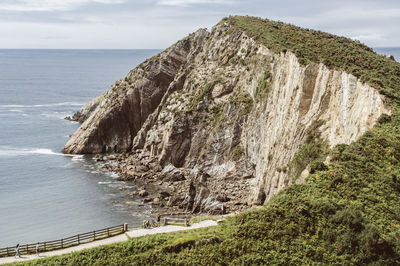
(44, 194)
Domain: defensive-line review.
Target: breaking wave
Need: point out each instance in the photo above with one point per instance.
(6, 151)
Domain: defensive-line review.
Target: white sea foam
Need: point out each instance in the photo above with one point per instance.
(113, 175)
(6, 151)
(104, 182)
(58, 115)
(75, 158)
(9, 152)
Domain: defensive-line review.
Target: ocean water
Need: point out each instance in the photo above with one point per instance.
(395, 51)
(46, 195)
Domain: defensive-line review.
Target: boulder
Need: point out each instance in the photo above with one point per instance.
(164, 194)
(111, 157)
(175, 201)
(172, 174)
(222, 197)
(199, 198)
(156, 200)
(391, 57)
(143, 193)
(147, 200)
(141, 168)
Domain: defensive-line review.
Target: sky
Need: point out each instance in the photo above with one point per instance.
(156, 24)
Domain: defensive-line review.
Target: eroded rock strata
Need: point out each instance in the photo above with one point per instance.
(214, 121)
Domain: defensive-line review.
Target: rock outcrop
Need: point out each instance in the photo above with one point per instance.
(224, 116)
(82, 114)
(119, 114)
(391, 57)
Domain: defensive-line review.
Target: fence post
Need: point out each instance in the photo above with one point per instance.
(186, 222)
(27, 251)
(62, 246)
(79, 242)
(44, 245)
(125, 227)
(165, 221)
(94, 235)
(7, 252)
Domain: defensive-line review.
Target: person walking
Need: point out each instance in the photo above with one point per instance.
(37, 249)
(17, 251)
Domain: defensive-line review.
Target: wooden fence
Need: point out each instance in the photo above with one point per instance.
(66, 242)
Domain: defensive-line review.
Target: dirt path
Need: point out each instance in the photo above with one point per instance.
(115, 239)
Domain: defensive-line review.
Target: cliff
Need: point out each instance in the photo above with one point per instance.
(228, 118)
(111, 121)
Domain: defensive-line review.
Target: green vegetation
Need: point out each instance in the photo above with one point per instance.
(263, 87)
(237, 152)
(315, 46)
(346, 213)
(313, 152)
(147, 61)
(196, 100)
(201, 218)
(242, 99)
(94, 103)
(217, 112)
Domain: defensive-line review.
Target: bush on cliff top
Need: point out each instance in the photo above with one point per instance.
(311, 46)
(346, 213)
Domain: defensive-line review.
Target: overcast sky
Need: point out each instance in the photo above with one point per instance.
(130, 24)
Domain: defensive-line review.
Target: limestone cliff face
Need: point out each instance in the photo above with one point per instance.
(299, 97)
(230, 113)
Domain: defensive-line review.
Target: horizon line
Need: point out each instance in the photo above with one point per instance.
(130, 48)
(83, 48)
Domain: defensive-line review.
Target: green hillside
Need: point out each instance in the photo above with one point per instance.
(347, 212)
(335, 52)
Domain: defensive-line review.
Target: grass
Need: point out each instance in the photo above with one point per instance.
(201, 218)
(243, 100)
(206, 90)
(263, 87)
(346, 213)
(217, 114)
(316, 46)
(237, 152)
(312, 153)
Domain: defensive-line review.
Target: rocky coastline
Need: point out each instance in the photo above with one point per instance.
(218, 123)
(173, 190)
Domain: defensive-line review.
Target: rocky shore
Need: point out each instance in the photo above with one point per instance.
(175, 190)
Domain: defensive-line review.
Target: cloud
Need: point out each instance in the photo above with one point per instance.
(185, 3)
(158, 23)
(50, 5)
(362, 13)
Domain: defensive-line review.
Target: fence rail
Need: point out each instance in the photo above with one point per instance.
(66, 242)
